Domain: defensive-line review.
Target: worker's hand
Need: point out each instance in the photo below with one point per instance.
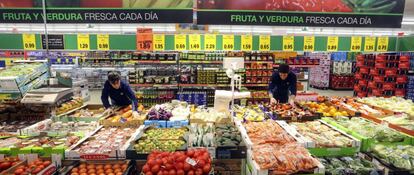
(273, 100)
(135, 114)
(292, 99)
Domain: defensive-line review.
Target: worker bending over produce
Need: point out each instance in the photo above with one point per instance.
(281, 83)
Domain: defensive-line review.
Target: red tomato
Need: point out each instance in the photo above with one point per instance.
(179, 166)
(187, 167)
(190, 153)
(152, 162)
(199, 171)
(180, 172)
(155, 169)
(191, 172)
(172, 172)
(164, 161)
(46, 163)
(149, 173)
(159, 161)
(206, 169)
(145, 168)
(169, 166)
(201, 163)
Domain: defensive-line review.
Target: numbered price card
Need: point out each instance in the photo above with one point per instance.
(195, 42)
(382, 45)
(29, 41)
(370, 44)
(210, 42)
(264, 42)
(308, 43)
(288, 43)
(180, 42)
(228, 42)
(246, 42)
(159, 42)
(102, 41)
(356, 44)
(332, 45)
(83, 42)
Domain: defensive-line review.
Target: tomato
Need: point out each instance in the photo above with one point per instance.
(187, 167)
(179, 166)
(155, 169)
(152, 162)
(180, 172)
(199, 171)
(159, 161)
(201, 163)
(145, 168)
(18, 171)
(190, 153)
(181, 158)
(168, 166)
(46, 163)
(191, 172)
(37, 170)
(172, 172)
(164, 161)
(206, 169)
(148, 173)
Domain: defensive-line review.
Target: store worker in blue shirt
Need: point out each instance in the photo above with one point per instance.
(281, 83)
(120, 93)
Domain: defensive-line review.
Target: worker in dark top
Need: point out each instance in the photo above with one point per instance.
(120, 93)
(281, 83)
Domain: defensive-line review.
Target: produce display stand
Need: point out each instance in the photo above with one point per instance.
(68, 166)
(68, 116)
(366, 143)
(49, 170)
(386, 168)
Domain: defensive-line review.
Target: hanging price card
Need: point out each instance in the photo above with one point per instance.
(246, 42)
(332, 45)
(83, 42)
(195, 42)
(264, 42)
(159, 42)
(29, 41)
(180, 42)
(102, 41)
(210, 42)
(370, 44)
(288, 43)
(308, 43)
(144, 39)
(382, 45)
(356, 43)
(228, 42)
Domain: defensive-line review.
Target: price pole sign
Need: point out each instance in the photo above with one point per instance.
(288, 43)
(195, 42)
(382, 45)
(308, 43)
(102, 41)
(228, 42)
(144, 39)
(246, 42)
(370, 44)
(29, 41)
(159, 42)
(210, 41)
(264, 43)
(180, 42)
(356, 44)
(332, 45)
(83, 42)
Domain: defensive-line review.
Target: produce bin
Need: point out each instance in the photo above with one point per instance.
(48, 170)
(387, 168)
(68, 116)
(156, 123)
(177, 124)
(130, 170)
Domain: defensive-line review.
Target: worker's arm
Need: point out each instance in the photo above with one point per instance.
(273, 87)
(131, 95)
(105, 96)
(293, 82)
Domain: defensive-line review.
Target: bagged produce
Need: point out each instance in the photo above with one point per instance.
(400, 156)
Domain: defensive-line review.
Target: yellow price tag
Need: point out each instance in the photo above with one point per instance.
(356, 43)
(180, 42)
(103, 41)
(332, 45)
(228, 42)
(210, 42)
(29, 41)
(159, 42)
(83, 42)
(309, 43)
(382, 45)
(195, 42)
(264, 42)
(246, 42)
(288, 43)
(370, 44)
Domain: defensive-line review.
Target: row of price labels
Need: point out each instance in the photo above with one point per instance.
(210, 43)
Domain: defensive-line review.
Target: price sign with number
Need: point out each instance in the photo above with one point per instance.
(356, 44)
(159, 42)
(264, 42)
(382, 45)
(180, 42)
(370, 44)
(29, 41)
(288, 43)
(246, 42)
(83, 42)
(210, 42)
(332, 45)
(309, 43)
(228, 42)
(103, 41)
(195, 42)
